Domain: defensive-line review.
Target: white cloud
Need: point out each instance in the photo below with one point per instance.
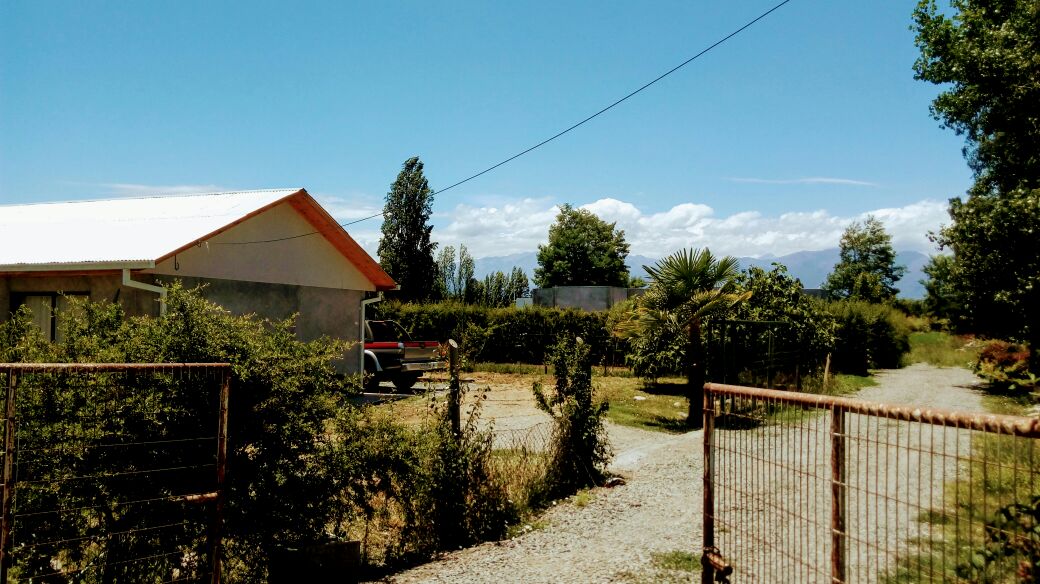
(138, 190)
(522, 225)
(812, 180)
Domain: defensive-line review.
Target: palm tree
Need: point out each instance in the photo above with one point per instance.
(687, 287)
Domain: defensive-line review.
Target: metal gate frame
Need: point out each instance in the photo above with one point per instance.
(216, 497)
(716, 567)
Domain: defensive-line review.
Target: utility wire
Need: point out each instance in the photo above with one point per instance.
(562, 132)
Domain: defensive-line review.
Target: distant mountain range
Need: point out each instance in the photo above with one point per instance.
(811, 267)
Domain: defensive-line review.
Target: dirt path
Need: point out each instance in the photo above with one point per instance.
(614, 536)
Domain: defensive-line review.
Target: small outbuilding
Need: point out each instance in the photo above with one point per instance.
(270, 252)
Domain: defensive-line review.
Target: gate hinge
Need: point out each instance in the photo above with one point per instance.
(713, 559)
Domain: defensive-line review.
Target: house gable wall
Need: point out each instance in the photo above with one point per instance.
(302, 261)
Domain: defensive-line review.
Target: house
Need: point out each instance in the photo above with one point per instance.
(271, 252)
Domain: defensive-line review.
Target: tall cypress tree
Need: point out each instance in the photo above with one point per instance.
(405, 249)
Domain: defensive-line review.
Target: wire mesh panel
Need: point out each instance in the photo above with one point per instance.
(113, 473)
(806, 488)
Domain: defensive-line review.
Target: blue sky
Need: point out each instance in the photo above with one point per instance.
(771, 143)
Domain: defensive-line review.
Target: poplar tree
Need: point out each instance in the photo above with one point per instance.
(405, 249)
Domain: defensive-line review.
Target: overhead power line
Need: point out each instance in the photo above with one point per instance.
(571, 128)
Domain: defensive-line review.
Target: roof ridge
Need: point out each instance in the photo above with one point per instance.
(155, 196)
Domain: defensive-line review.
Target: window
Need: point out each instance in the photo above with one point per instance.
(46, 308)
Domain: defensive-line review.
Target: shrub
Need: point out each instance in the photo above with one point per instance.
(500, 335)
(579, 450)
(867, 336)
(1005, 366)
(302, 461)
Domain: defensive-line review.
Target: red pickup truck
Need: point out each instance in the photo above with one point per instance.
(392, 355)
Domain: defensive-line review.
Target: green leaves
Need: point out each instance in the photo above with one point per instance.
(405, 250)
(583, 250)
(867, 269)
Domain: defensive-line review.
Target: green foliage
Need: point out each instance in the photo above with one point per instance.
(688, 286)
(1006, 367)
(984, 55)
(583, 250)
(502, 335)
(867, 268)
(777, 296)
(942, 349)
(993, 285)
(659, 350)
(867, 336)
(579, 451)
(405, 250)
(1012, 541)
(302, 462)
(499, 290)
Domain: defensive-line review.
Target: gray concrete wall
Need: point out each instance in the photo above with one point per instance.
(591, 298)
(322, 311)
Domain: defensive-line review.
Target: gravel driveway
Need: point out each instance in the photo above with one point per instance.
(612, 538)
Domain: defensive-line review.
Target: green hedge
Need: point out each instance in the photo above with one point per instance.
(868, 336)
(502, 335)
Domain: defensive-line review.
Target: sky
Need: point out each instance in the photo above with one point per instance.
(771, 143)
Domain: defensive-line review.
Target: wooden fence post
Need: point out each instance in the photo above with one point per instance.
(839, 503)
(8, 494)
(454, 388)
(217, 522)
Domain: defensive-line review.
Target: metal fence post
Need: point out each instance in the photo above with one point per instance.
(8, 494)
(708, 512)
(217, 524)
(454, 388)
(839, 493)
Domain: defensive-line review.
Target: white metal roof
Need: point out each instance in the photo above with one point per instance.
(113, 233)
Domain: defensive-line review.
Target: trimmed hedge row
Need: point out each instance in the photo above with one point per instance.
(500, 335)
(867, 336)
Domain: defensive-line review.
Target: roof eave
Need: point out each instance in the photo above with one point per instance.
(78, 266)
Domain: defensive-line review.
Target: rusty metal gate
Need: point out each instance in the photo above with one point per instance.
(811, 488)
(113, 472)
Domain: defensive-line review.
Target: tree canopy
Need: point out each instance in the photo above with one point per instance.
(583, 250)
(986, 55)
(867, 268)
(405, 250)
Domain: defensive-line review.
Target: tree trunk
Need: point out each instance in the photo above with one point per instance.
(695, 377)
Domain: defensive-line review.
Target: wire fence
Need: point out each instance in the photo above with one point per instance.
(805, 488)
(113, 473)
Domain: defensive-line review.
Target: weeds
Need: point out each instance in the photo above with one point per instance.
(941, 349)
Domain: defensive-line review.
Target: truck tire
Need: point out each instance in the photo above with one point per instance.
(405, 381)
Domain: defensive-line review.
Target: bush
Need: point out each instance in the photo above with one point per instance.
(1005, 366)
(302, 461)
(579, 451)
(868, 336)
(501, 335)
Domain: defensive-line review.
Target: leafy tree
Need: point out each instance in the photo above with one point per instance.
(405, 250)
(867, 269)
(465, 272)
(778, 296)
(446, 269)
(995, 277)
(985, 56)
(583, 250)
(519, 284)
(688, 287)
(942, 299)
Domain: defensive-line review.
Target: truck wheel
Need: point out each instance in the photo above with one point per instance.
(405, 381)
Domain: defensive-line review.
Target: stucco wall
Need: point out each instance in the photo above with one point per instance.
(302, 261)
(322, 311)
(106, 287)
